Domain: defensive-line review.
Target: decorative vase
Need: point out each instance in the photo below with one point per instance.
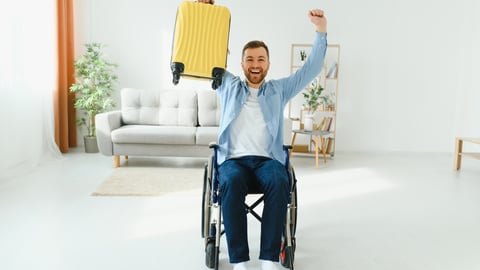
(308, 122)
(91, 145)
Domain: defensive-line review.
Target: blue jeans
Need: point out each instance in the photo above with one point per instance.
(270, 176)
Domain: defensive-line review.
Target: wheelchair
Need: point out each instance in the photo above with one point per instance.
(211, 226)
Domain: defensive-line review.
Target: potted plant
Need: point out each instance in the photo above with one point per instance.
(303, 56)
(329, 101)
(93, 88)
(313, 100)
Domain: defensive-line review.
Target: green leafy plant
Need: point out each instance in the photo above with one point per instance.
(303, 55)
(94, 85)
(313, 96)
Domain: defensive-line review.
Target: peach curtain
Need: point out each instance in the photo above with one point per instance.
(64, 112)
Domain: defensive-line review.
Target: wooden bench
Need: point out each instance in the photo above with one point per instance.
(457, 159)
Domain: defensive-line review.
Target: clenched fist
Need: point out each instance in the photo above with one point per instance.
(317, 17)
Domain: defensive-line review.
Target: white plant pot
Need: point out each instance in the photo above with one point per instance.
(91, 145)
(308, 122)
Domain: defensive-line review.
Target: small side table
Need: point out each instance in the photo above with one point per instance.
(318, 134)
(457, 156)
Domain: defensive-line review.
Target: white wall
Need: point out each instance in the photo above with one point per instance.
(408, 68)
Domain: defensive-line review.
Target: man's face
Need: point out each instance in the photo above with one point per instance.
(255, 65)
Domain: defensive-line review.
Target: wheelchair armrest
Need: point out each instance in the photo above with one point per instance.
(213, 145)
(287, 147)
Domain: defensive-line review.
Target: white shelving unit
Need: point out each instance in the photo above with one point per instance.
(328, 78)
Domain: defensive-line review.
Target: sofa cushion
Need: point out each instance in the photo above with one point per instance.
(148, 134)
(206, 135)
(208, 108)
(139, 107)
(178, 108)
(169, 107)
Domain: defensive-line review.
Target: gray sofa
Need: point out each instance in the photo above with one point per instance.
(162, 123)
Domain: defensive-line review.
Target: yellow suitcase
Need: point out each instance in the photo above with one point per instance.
(200, 42)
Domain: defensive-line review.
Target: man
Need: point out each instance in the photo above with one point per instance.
(251, 144)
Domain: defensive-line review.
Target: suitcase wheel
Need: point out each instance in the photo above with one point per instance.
(176, 78)
(217, 74)
(216, 84)
(177, 69)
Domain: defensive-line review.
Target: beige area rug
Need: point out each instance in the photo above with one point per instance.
(150, 181)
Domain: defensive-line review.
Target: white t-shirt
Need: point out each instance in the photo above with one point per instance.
(248, 134)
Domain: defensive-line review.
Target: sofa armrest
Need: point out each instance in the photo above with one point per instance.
(287, 131)
(105, 123)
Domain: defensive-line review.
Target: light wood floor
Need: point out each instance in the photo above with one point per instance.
(386, 211)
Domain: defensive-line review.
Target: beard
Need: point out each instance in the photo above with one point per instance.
(255, 78)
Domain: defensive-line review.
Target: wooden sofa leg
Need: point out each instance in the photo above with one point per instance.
(116, 161)
(457, 159)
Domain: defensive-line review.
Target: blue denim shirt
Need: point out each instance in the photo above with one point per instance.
(273, 96)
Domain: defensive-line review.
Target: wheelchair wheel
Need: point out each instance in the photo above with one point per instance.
(206, 198)
(287, 256)
(208, 229)
(287, 253)
(210, 254)
(205, 211)
(294, 209)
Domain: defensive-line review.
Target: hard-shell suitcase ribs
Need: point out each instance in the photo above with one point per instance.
(200, 42)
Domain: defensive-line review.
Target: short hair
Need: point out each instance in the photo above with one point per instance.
(255, 44)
